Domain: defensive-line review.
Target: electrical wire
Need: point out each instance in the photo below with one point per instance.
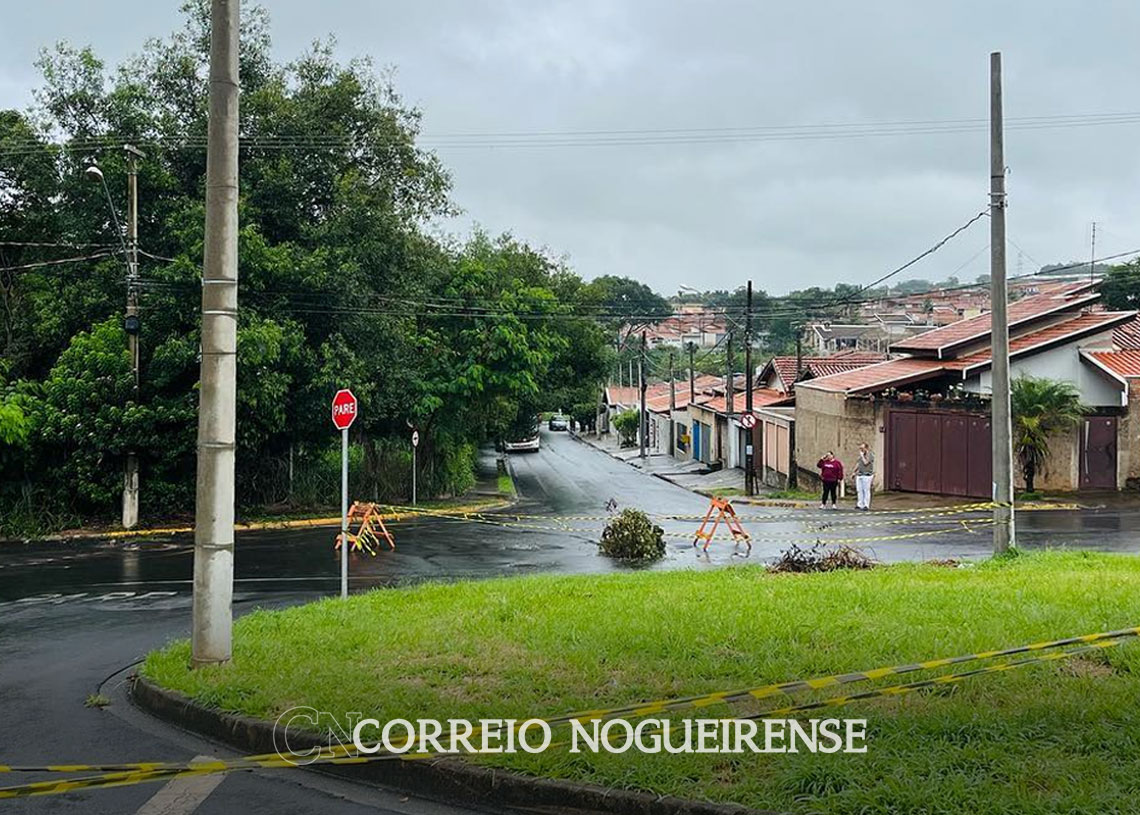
(605, 137)
(43, 263)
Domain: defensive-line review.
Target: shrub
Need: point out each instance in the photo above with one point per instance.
(632, 536)
(626, 424)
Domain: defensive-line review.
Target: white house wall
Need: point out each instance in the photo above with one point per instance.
(1061, 363)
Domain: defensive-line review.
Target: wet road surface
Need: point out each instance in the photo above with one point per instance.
(74, 614)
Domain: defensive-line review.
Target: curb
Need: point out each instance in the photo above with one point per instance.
(444, 779)
(250, 526)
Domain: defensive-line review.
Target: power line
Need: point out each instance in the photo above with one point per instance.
(39, 264)
(608, 137)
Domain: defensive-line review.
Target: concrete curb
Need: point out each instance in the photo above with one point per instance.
(250, 526)
(445, 779)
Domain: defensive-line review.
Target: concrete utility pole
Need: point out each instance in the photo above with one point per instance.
(1092, 253)
(692, 376)
(643, 417)
(729, 393)
(131, 324)
(211, 630)
(672, 406)
(1001, 422)
(729, 400)
(749, 481)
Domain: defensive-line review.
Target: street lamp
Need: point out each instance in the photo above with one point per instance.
(130, 247)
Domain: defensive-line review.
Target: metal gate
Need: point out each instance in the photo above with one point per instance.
(942, 452)
(1098, 453)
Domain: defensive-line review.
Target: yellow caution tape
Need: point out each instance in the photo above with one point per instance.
(141, 773)
(131, 773)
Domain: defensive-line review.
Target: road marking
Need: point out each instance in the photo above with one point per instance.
(182, 795)
(86, 597)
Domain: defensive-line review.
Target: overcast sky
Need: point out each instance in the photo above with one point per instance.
(714, 211)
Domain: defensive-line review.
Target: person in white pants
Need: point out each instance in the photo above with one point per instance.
(864, 475)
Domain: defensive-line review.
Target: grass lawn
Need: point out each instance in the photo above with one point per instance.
(791, 495)
(506, 485)
(1063, 737)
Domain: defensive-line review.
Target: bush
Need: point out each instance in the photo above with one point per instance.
(626, 424)
(632, 536)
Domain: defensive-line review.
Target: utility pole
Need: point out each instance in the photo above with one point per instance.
(729, 394)
(212, 624)
(799, 355)
(643, 423)
(729, 378)
(692, 376)
(1004, 536)
(131, 326)
(1092, 254)
(672, 406)
(749, 481)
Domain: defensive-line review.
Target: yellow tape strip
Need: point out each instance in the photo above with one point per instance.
(645, 708)
(136, 776)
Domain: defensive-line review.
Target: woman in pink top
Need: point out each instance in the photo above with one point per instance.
(831, 473)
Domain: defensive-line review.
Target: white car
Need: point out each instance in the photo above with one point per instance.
(530, 445)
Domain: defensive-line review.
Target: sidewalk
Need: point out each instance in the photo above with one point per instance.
(691, 475)
(729, 482)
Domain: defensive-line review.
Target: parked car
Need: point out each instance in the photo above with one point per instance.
(559, 422)
(523, 437)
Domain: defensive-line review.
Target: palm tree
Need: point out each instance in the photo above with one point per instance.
(1041, 408)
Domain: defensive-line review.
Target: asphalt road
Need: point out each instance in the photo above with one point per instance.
(75, 616)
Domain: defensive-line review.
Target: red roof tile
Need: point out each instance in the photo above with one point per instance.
(1122, 363)
(785, 366)
(621, 395)
(901, 371)
(875, 377)
(761, 397)
(977, 329)
(1078, 326)
(1127, 336)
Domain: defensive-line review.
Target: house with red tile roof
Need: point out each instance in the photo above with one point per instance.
(781, 373)
(925, 413)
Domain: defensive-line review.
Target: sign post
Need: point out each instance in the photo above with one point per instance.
(343, 415)
(415, 444)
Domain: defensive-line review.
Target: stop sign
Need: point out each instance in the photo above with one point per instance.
(343, 409)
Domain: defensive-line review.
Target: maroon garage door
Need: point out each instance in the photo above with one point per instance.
(1098, 453)
(945, 453)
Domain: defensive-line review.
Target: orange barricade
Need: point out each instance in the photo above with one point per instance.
(724, 512)
(370, 531)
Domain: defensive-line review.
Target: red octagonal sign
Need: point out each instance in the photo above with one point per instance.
(343, 409)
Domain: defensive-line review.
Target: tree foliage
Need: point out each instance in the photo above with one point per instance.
(343, 283)
(632, 536)
(627, 423)
(1121, 287)
(1041, 408)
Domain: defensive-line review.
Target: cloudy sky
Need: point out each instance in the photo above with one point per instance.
(687, 146)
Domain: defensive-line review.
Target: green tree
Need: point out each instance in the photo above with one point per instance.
(343, 282)
(1121, 287)
(626, 423)
(1041, 409)
(623, 300)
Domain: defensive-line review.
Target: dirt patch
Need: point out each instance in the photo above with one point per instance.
(1087, 667)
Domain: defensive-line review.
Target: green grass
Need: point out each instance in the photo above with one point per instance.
(506, 485)
(790, 495)
(1058, 738)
